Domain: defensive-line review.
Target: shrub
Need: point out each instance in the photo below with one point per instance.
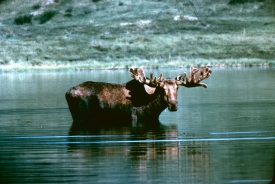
(36, 7)
(243, 1)
(46, 16)
(68, 12)
(2, 1)
(24, 19)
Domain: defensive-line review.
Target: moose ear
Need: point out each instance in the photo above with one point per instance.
(149, 90)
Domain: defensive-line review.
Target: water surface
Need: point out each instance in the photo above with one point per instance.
(222, 134)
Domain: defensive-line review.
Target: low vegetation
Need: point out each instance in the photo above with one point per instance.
(24, 19)
(88, 34)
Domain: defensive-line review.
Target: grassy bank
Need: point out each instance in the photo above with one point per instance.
(100, 34)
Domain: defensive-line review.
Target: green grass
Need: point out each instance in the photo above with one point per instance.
(107, 34)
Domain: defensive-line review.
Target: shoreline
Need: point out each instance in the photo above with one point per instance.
(18, 68)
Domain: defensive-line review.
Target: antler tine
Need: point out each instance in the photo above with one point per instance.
(193, 70)
(134, 73)
(153, 80)
(156, 81)
(141, 75)
(160, 78)
(151, 76)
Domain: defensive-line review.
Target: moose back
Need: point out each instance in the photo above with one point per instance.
(139, 100)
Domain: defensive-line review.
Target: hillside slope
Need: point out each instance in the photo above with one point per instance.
(100, 34)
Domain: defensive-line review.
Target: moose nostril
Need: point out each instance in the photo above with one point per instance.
(172, 107)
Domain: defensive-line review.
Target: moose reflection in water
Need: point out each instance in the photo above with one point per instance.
(138, 101)
(151, 153)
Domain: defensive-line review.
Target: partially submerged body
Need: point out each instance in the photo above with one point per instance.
(136, 102)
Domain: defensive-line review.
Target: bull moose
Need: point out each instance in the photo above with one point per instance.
(139, 100)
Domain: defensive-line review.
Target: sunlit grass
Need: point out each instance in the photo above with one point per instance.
(111, 35)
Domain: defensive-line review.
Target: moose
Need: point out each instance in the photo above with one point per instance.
(135, 102)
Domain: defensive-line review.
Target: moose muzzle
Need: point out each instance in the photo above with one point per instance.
(173, 106)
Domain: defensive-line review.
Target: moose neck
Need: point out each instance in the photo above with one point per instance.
(153, 109)
(158, 105)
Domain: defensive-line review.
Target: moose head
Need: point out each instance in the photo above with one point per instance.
(170, 86)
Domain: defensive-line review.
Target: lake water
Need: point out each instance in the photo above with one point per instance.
(222, 134)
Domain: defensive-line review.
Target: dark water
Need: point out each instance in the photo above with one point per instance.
(222, 134)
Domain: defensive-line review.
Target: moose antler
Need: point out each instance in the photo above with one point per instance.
(196, 76)
(139, 75)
